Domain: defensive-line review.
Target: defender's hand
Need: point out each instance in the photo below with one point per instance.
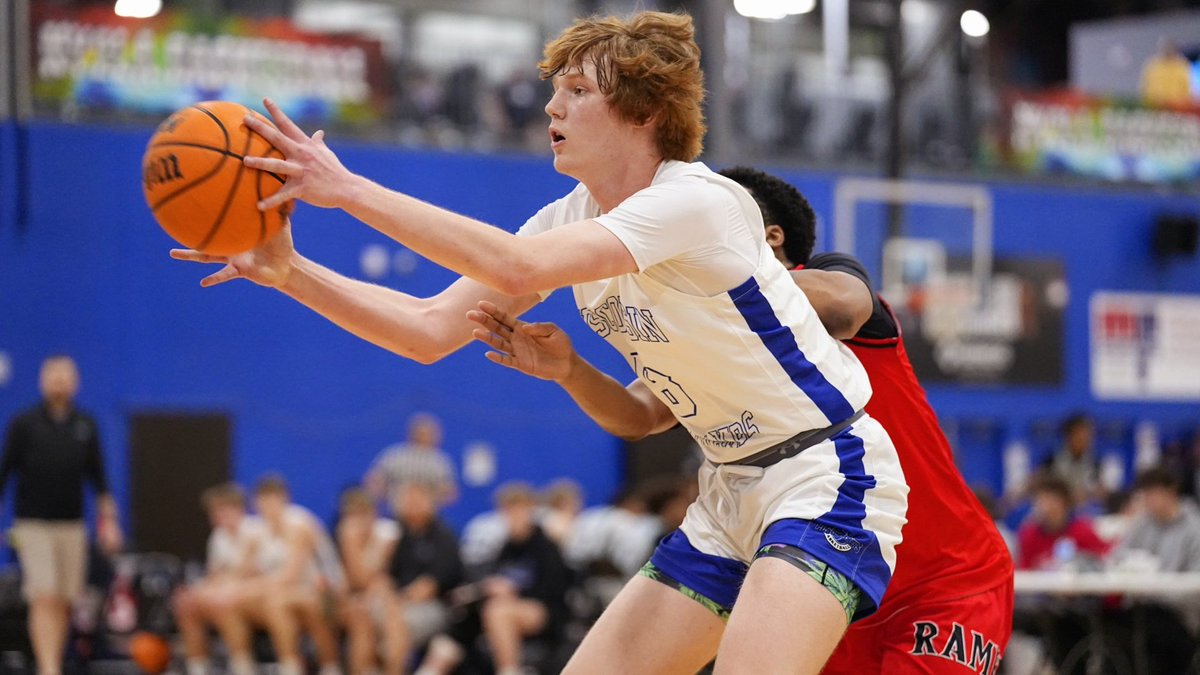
(314, 174)
(542, 350)
(268, 265)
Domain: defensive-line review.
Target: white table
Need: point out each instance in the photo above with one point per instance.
(1102, 583)
(1108, 583)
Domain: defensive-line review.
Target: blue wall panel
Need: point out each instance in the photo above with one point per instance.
(91, 277)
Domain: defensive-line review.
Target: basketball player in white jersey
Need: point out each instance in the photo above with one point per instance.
(803, 499)
(374, 619)
(232, 547)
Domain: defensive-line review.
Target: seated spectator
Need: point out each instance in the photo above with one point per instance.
(482, 538)
(1076, 462)
(298, 581)
(609, 544)
(1054, 536)
(522, 597)
(374, 624)
(419, 459)
(562, 499)
(232, 547)
(425, 565)
(614, 540)
(1165, 537)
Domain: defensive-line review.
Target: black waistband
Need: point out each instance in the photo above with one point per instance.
(796, 444)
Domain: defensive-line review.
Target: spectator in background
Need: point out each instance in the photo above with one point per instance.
(51, 450)
(296, 584)
(522, 597)
(232, 548)
(563, 499)
(1053, 536)
(1166, 77)
(614, 540)
(482, 538)
(1075, 462)
(425, 565)
(609, 544)
(374, 624)
(419, 459)
(1165, 537)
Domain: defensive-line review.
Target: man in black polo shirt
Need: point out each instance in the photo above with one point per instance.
(51, 449)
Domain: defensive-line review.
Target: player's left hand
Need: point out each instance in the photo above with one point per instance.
(542, 350)
(314, 174)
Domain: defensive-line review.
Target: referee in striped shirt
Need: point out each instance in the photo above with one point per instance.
(419, 459)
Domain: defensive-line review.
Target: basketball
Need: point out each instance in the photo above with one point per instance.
(197, 187)
(150, 652)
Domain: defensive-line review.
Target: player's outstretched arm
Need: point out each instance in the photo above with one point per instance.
(421, 329)
(544, 351)
(573, 253)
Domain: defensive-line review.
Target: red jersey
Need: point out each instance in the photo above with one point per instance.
(951, 547)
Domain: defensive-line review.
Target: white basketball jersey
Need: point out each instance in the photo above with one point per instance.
(742, 370)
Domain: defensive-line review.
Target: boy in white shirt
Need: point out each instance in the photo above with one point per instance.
(232, 548)
(374, 622)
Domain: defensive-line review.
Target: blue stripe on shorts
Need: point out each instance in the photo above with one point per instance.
(839, 538)
(716, 578)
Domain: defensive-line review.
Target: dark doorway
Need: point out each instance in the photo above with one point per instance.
(173, 458)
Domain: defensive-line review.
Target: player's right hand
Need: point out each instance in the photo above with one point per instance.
(542, 350)
(268, 265)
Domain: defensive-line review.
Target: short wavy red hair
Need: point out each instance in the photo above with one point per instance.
(648, 65)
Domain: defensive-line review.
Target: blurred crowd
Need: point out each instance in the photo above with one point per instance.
(1071, 519)
(387, 586)
(384, 586)
(462, 109)
(513, 594)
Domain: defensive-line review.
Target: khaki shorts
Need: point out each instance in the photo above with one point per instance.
(53, 557)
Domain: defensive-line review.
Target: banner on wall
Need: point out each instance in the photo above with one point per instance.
(1011, 335)
(1145, 346)
(1066, 132)
(88, 60)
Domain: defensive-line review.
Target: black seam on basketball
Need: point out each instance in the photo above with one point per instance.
(237, 179)
(216, 169)
(227, 153)
(220, 124)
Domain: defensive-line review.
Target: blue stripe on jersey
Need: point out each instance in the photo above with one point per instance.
(781, 342)
(839, 538)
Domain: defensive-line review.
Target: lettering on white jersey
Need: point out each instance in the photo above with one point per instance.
(732, 435)
(611, 316)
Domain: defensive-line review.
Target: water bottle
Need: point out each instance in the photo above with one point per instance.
(1064, 553)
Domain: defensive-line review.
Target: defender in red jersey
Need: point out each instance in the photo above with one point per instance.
(948, 608)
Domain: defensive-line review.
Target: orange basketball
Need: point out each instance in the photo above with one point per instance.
(197, 187)
(149, 652)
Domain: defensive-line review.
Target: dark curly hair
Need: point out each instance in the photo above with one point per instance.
(782, 205)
